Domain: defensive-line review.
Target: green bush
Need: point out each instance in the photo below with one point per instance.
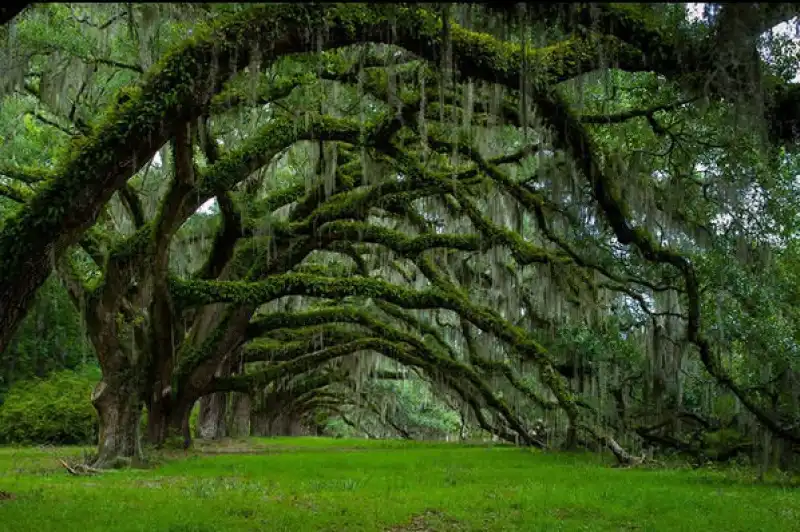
(56, 409)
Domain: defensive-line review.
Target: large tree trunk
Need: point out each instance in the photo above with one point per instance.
(167, 419)
(179, 423)
(119, 409)
(211, 419)
(157, 423)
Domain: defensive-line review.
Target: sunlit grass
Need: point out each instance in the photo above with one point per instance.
(298, 484)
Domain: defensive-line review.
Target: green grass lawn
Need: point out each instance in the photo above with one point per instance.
(298, 484)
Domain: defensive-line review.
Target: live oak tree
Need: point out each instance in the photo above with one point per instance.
(557, 212)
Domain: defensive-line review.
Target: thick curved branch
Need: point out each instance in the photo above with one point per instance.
(245, 383)
(180, 90)
(177, 91)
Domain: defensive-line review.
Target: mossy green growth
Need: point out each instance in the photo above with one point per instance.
(399, 241)
(260, 148)
(94, 166)
(189, 293)
(190, 356)
(309, 360)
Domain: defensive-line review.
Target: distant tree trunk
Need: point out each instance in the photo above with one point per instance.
(211, 419)
(571, 441)
(157, 419)
(119, 409)
(259, 423)
(278, 418)
(289, 424)
(240, 422)
(213, 409)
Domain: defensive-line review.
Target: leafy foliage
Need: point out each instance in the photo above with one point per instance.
(51, 338)
(54, 410)
(567, 225)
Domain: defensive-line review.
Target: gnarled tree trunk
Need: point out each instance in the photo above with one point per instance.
(119, 408)
(168, 418)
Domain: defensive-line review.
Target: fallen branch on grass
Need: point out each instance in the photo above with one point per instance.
(79, 469)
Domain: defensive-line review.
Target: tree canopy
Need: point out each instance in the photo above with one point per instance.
(574, 223)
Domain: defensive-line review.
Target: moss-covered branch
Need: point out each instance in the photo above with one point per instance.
(572, 137)
(177, 90)
(15, 192)
(26, 174)
(193, 293)
(286, 347)
(431, 360)
(301, 364)
(228, 234)
(134, 205)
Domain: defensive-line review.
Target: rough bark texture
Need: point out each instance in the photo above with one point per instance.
(211, 419)
(240, 418)
(268, 423)
(158, 421)
(169, 419)
(119, 410)
(259, 423)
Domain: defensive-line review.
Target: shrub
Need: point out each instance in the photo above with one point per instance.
(56, 409)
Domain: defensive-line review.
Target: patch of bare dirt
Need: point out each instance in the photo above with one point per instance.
(427, 521)
(6, 496)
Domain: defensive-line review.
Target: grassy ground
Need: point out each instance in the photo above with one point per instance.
(305, 484)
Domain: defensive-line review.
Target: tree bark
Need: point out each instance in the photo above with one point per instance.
(240, 422)
(157, 423)
(169, 418)
(179, 423)
(272, 424)
(211, 420)
(259, 423)
(288, 424)
(119, 409)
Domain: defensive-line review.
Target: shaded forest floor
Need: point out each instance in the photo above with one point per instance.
(310, 484)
